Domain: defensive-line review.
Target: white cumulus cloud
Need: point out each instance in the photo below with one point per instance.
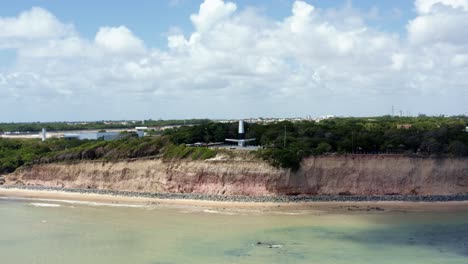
(439, 21)
(118, 39)
(239, 63)
(212, 11)
(31, 24)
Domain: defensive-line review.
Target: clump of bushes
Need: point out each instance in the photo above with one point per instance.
(129, 147)
(184, 152)
(283, 157)
(16, 153)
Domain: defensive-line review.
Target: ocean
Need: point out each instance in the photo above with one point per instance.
(38, 231)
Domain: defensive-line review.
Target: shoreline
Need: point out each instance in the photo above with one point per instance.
(253, 199)
(112, 198)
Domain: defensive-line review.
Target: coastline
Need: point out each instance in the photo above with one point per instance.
(320, 206)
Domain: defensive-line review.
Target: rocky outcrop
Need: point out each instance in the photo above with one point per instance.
(322, 175)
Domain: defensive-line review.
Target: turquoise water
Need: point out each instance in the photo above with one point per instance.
(56, 232)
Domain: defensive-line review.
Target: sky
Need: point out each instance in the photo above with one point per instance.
(179, 59)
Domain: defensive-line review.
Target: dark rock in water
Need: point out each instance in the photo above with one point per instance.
(269, 244)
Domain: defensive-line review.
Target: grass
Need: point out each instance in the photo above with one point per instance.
(184, 152)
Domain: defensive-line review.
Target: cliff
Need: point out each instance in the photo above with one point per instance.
(379, 175)
(331, 175)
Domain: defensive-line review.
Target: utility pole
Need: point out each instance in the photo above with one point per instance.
(352, 142)
(284, 141)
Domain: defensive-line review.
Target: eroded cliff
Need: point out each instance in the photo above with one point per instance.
(335, 174)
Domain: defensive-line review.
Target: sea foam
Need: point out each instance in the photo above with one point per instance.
(45, 205)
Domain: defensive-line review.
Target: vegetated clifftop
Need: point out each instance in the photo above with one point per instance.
(321, 175)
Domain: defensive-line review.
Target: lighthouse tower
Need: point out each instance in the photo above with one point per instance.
(241, 141)
(44, 134)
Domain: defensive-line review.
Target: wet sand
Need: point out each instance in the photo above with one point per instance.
(321, 207)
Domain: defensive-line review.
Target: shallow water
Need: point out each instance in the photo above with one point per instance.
(58, 232)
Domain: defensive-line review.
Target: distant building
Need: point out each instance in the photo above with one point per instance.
(94, 136)
(404, 126)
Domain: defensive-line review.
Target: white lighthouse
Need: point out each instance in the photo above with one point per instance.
(241, 128)
(241, 141)
(44, 134)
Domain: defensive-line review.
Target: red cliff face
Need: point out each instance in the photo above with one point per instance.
(359, 175)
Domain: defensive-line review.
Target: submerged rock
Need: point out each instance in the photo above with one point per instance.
(269, 244)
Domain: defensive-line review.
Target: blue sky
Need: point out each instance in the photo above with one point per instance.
(95, 60)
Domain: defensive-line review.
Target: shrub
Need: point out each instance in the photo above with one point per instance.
(457, 148)
(203, 154)
(322, 148)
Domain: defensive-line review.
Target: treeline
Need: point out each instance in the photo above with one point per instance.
(97, 125)
(208, 132)
(286, 143)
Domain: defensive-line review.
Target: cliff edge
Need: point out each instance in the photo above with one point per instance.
(320, 175)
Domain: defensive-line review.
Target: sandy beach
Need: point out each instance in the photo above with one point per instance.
(330, 207)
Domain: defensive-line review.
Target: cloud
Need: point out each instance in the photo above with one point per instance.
(240, 62)
(118, 39)
(439, 21)
(437, 48)
(211, 12)
(36, 23)
(301, 16)
(430, 6)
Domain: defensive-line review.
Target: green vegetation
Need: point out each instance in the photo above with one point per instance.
(284, 144)
(209, 132)
(130, 147)
(16, 153)
(183, 152)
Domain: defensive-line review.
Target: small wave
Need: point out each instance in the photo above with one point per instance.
(41, 202)
(74, 202)
(218, 212)
(288, 213)
(45, 205)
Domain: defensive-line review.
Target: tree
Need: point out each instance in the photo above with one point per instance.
(457, 148)
(431, 146)
(322, 148)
